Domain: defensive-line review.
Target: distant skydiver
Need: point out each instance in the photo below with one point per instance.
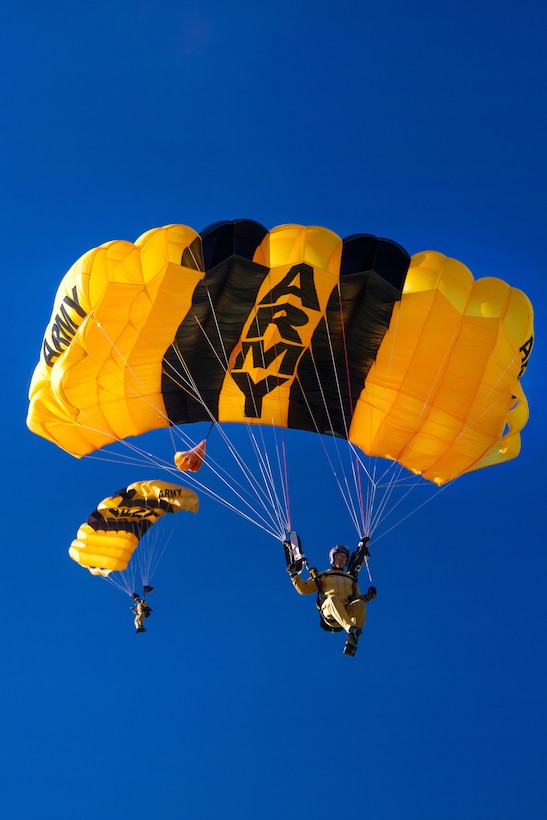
(141, 610)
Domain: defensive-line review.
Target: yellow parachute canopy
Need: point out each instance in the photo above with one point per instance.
(443, 396)
(409, 358)
(106, 542)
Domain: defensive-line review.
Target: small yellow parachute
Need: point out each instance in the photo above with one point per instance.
(106, 542)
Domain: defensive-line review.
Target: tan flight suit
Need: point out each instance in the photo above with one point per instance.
(140, 614)
(337, 587)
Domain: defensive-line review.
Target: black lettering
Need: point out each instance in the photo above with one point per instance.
(48, 353)
(304, 289)
(262, 357)
(74, 303)
(170, 493)
(286, 317)
(64, 328)
(68, 326)
(51, 353)
(131, 512)
(275, 310)
(59, 338)
(526, 350)
(254, 392)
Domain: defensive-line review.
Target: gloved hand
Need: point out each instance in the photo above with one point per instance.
(296, 567)
(363, 544)
(371, 593)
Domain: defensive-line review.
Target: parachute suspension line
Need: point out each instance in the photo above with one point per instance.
(336, 379)
(344, 343)
(149, 558)
(379, 505)
(265, 521)
(355, 469)
(283, 507)
(274, 507)
(191, 388)
(284, 515)
(271, 494)
(370, 500)
(146, 553)
(266, 472)
(261, 455)
(183, 379)
(345, 493)
(392, 477)
(265, 466)
(374, 512)
(348, 494)
(140, 455)
(436, 491)
(257, 519)
(140, 460)
(380, 486)
(378, 513)
(266, 499)
(285, 485)
(229, 480)
(223, 362)
(226, 362)
(124, 581)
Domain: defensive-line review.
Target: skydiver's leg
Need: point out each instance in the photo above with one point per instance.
(357, 612)
(332, 608)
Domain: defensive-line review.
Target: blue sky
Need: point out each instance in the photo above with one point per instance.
(425, 125)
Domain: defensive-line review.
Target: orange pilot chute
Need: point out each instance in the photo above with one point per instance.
(191, 460)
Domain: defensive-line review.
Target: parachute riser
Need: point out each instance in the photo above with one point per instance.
(359, 557)
(294, 556)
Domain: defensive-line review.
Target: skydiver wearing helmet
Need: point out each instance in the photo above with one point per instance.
(339, 600)
(141, 611)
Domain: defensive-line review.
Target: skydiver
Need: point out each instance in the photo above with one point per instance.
(141, 611)
(339, 600)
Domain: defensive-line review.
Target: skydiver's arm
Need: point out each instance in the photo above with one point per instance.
(303, 587)
(368, 595)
